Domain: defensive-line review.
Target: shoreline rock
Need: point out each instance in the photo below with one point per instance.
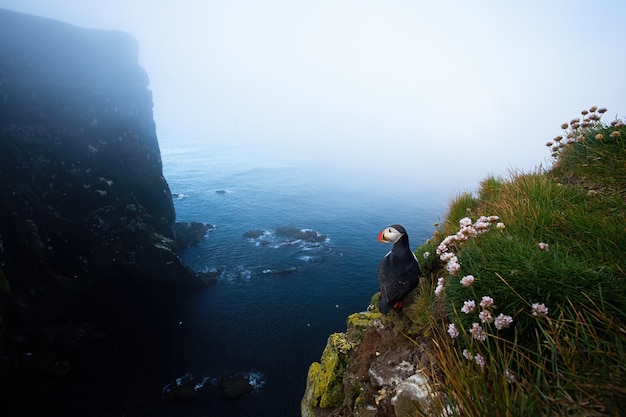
(190, 233)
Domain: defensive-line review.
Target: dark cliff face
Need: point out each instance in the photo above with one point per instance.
(84, 207)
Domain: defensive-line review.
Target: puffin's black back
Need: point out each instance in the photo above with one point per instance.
(398, 273)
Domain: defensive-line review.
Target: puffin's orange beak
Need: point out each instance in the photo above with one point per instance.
(381, 237)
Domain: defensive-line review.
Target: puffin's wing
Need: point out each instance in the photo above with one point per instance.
(392, 284)
(412, 275)
(396, 281)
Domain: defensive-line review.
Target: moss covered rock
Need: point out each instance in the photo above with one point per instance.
(325, 378)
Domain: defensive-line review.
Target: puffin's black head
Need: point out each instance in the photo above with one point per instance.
(391, 234)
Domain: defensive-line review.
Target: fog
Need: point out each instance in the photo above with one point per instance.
(443, 92)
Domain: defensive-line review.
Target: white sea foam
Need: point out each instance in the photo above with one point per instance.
(309, 258)
(243, 272)
(257, 379)
(314, 243)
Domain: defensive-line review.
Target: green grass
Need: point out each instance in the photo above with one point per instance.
(559, 241)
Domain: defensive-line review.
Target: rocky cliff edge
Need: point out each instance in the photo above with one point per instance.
(87, 219)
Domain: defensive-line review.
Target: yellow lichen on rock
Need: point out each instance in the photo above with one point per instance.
(363, 319)
(309, 400)
(358, 323)
(324, 386)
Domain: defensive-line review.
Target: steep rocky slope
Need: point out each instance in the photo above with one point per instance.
(371, 370)
(86, 214)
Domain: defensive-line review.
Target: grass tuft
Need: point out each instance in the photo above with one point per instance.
(525, 307)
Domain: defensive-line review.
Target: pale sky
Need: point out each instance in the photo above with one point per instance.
(442, 91)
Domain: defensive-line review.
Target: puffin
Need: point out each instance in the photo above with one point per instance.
(398, 271)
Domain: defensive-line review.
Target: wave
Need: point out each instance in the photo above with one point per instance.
(257, 380)
(289, 236)
(283, 271)
(189, 387)
(310, 259)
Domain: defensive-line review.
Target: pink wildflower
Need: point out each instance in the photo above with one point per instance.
(465, 232)
(485, 316)
(477, 332)
(452, 331)
(467, 355)
(467, 280)
(539, 310)
(440, 286)
(468, 306)
(544, 247)
(503, 321)
(510, 376)
(453, 266)
(464, 222)
(486, 301)
(439, 290)
(446, 256)
(480, 360)
(481, 226)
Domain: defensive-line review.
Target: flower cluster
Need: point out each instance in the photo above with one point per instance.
(510, 376)
(503, 321)
(486, 316)
(452, 331)
(479, 359)
(486, 302)
(577, 129)
(539, 310)
(467, 230)
(467, 280)
(468, 306)
(483, 310)
(477, 332)
(440, 286)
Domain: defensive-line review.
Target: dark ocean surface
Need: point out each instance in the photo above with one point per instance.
(278, 295)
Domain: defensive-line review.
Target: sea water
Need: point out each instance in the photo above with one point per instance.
(293, 251)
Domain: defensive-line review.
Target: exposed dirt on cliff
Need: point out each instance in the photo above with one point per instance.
(380, 363)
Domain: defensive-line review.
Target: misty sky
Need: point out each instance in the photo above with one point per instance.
(446, 91)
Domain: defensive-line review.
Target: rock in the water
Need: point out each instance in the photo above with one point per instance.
(190, 233)
(234, 387)
(210, 276)
(185, 389)
(300, 234)
(254, 234)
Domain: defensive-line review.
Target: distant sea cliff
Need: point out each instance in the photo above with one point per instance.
(86, 214)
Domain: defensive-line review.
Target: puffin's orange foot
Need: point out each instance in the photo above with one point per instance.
(397, 305)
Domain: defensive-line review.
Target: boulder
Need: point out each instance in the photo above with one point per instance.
(234, 387)
(190, 233)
